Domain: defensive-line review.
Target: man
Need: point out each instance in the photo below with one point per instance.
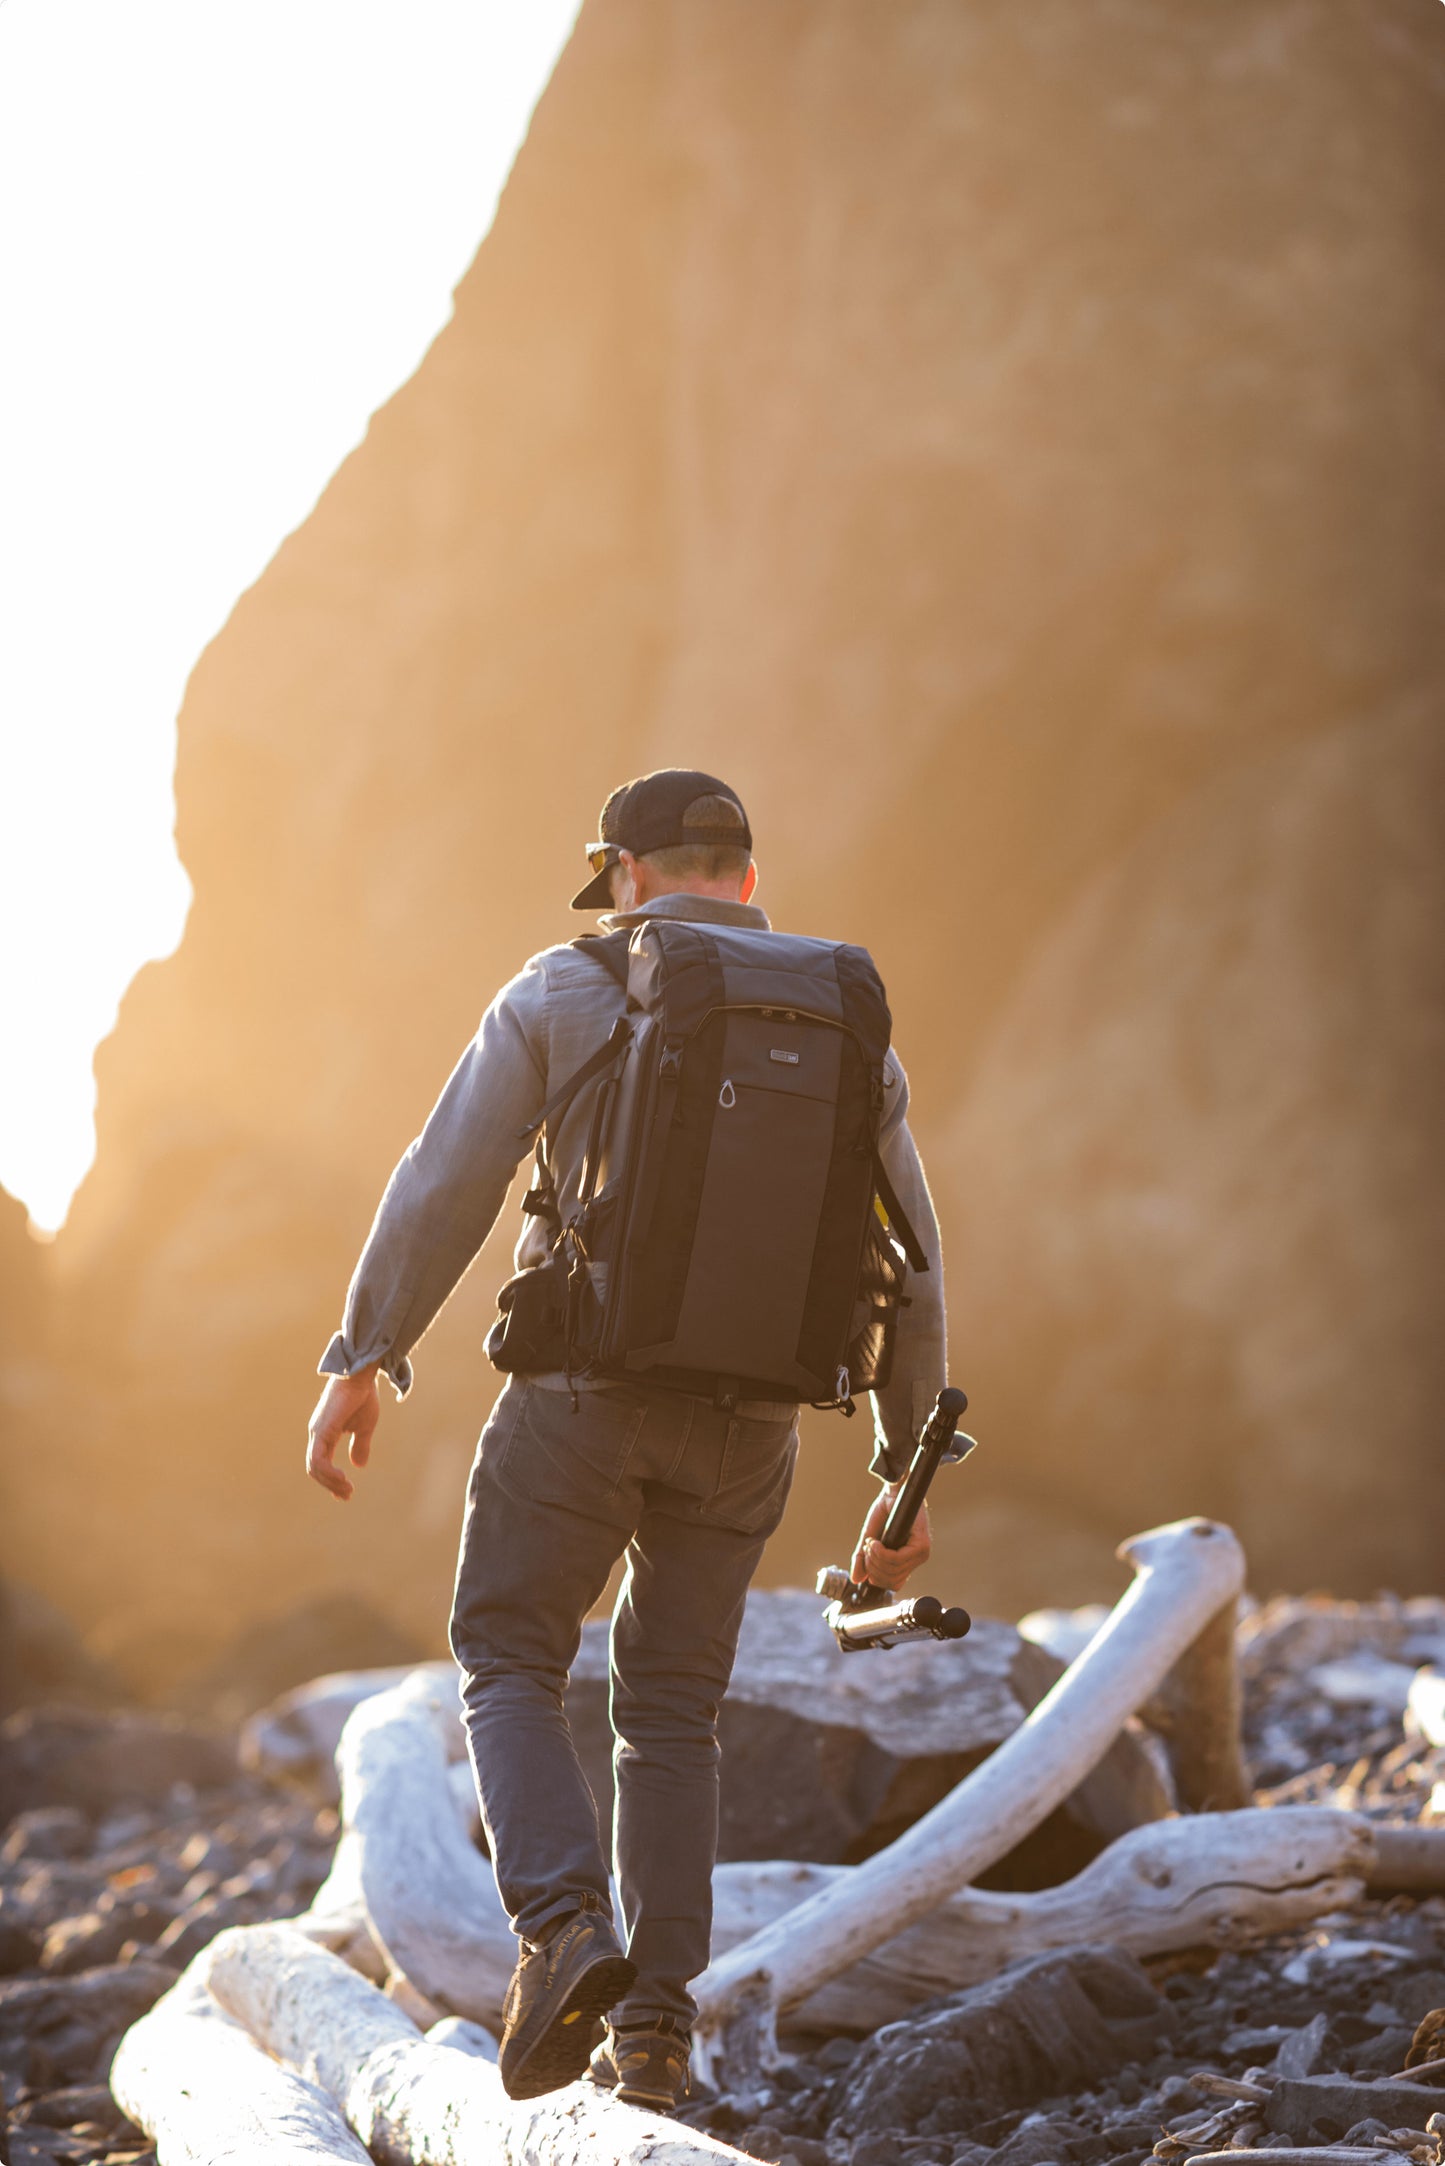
(574, 1472)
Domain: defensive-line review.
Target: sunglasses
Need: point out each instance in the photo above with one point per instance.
(602, 854)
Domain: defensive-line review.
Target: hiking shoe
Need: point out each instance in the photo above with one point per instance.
(644, 2064)
(559, 1988)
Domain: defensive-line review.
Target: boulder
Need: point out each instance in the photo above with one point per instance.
(1299, 1635)
(81, 2104)
(19, 1946)
(828, 1756)
(98, 1936)
(94, 1761)
(294, 1739)
(56, 2031)
(44, 1658)
(44, 1833)
(1041, 2029)
(281, 1652)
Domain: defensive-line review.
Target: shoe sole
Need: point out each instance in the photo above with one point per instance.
(653, 2101)
(564, 2049)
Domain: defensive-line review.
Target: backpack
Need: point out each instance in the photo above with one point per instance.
(735, 1233)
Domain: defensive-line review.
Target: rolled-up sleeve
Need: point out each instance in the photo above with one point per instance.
(920, 1353)
(443, 1199)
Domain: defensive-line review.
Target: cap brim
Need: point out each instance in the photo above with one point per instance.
(597, 895)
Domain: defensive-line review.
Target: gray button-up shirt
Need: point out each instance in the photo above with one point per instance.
(444, 1197)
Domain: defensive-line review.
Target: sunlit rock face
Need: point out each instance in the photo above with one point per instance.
(1007, 441)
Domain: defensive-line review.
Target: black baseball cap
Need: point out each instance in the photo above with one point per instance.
(652, 814)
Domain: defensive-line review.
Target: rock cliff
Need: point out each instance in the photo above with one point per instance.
(1006, 441)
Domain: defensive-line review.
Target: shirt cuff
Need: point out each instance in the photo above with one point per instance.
(340, 1359)
(893, 1455)
(887, 1463)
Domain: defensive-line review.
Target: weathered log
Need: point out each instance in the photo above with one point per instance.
(1185, 1575)
(1323, 2154)
(1195, 1718)
(1208, 1882)
(347, 1933)
(414, 2103)
(337, 1918)
(429, 1895)
(194, 2079)
(1426, 1704)
(1408, 1861)
(1199, 1710)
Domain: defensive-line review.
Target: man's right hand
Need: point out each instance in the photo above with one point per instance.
(889, 1567)
(349, 1406)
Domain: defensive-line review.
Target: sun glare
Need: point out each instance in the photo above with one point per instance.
(231, 231)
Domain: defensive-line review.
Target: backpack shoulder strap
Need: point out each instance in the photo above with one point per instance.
(609, 949)
(897, 1219)
(593, 1065)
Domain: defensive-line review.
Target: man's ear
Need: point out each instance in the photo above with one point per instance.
(750, 881)
(624, 881)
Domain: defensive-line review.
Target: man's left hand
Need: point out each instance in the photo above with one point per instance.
(888, 1567)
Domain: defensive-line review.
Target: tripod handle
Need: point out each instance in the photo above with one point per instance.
(929, 1452)
(938, 1434)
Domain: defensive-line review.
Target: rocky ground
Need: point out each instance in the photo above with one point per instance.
(99, 1916)
(131, 1840)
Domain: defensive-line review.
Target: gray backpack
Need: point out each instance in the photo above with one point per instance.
(735, 1233)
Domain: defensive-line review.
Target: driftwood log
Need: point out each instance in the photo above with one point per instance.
(1408, 1861)
(413, 2102)
(196, 2080)
(1185, 1575)
(406, 1859)
(1184, 1883)
(1199, 1711)
(1426, 1702)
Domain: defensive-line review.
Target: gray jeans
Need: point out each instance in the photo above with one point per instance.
(556, 1497)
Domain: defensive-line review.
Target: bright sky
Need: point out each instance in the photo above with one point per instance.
(229, 229)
